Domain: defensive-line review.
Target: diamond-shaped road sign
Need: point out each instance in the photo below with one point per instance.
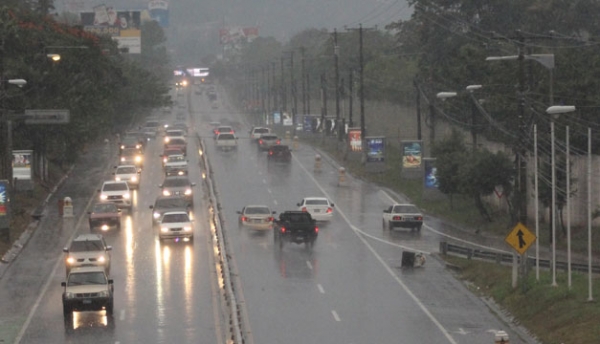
(520, 238)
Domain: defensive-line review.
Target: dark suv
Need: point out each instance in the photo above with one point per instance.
(280, 153)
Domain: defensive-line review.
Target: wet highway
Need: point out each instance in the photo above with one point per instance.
(349, 288)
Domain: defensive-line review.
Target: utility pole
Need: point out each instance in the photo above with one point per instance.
(323, 100)
(303, 82)
(282, 90)
(350, 98)
(307, 93)
(274, 85)
(262, 95)
(5, 126)
(293, 90)
(337, 77)
(268, 80)
(521, 149)
(418, 109)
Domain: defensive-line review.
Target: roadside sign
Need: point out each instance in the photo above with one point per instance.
(520, 238)
(46, 116)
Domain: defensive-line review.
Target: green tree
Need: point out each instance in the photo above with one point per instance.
(451, 154)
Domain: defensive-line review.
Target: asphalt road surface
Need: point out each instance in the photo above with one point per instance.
(350, 288)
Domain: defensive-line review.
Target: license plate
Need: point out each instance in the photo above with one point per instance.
(317, 210)
(87, 302)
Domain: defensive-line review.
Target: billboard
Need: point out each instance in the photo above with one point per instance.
(355, 139)
(3, 199)
(412, 154)
(236, 35)
(159, 12)
(430, 180)
(375, 149)
(310, 123)
(22, 164)
(276, 118)
(122, 26)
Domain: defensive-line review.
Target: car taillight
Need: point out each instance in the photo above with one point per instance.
(271, 219)
(282, 229)
(304, 209)
(260, 142)
(278, 142)
(244, 219)
(397, 218)
(329, 210)
(419, 218)
(270, 152)
(316, 229)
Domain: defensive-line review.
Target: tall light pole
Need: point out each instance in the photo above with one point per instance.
(553, 111)
(471, 89)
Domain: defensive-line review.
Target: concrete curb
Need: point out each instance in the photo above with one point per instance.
(20, 243)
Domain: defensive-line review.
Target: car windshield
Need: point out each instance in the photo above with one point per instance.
(174, 133)
(84, 278)
(174, 218)
(86, 245)
(126, 170)
(171, 203)
(405, 209)
(226, 137)
(129, 152)
(224, 129)
(257, 211)
(105, 208)
(115, 187)
(261, 130)
(269, 137)
(176, 158)
(152, 124)
(316, 202)
(175, 182)
(177, 142)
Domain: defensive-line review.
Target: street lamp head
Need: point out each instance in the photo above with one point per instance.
(558, 109)
(444, 95)
(472, 88)
(18, 82)
(53, 57)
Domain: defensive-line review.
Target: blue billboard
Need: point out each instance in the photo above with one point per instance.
(430, 180)
(159, 12)
(375, 149)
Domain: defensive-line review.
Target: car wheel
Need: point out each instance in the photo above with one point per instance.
(109, 307)
(383, 224)
(419, 228)
(67, 311)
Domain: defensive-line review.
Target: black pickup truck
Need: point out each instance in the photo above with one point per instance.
(297, 227)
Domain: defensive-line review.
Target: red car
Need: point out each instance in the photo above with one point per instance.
(177, 143)
(105, 216)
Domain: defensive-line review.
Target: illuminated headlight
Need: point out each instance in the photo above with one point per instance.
(70, 260)
(103, 293)
(184, 83)
(138, 158)
(156, 215)
(166, 193)
(122, 147)
(188, 192)
(103, 197)
(167, 139)
(165, 160)
(118, 179)
(122, 158)
(104, 227)
(164, 229)
(166, 126)
(69, 295)
(126, 196)
(138, 146)
(101, 259)
(181, 173)
(187, 228)
(134, 179)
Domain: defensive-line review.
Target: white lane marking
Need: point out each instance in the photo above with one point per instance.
(309, 265)
(275, 201)
(122, 315)
(117, 342)
(335, 315)
(264, 181)
(269, 190)
(382, 262)
(321, 290)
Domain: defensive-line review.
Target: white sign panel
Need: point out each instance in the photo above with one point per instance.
(22, 164)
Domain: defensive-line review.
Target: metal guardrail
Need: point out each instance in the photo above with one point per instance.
(499, 257)
(235, 326)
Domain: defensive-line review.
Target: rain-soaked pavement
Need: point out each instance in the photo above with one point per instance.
(349, 288)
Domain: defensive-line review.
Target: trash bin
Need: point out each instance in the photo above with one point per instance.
(408, 259)
(61, 207)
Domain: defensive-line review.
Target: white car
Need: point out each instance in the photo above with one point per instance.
(320, 208)
(171, 133)
(176, 224)
(176, 165)
(402, 215)
(117, 193)
(87, 250)
(129, 174)
(256, 132)
(256, 217)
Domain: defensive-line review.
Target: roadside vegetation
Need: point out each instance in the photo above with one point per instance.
(104, 89)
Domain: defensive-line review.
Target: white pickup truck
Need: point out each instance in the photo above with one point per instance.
(226, 141)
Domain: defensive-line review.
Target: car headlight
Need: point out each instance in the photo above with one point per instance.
(164, 229)
(187, 228)
(118, 179)
(156, 215)
(103, 196)
(134, 179)
(70, 260)
(122, 158)
(69, 295)
(138, 158)
(103, 293)
(181, 173)
(166, 193)
(165, 160)
(122, 147)
(167, 140)
(126, 196)
(104, 227)
(138, 146)
(188, 192)
(101, 259)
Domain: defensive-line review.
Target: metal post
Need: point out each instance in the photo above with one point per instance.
(308, 93)
(553, 206)
(350, 99)
(303, 82)
(536, 192)
(589, 211)
(337, 76)
(293, 90)
(521, 165)
(282, 89)
(568, 195)
(418, 110)
(362, 88)
(273, 84)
